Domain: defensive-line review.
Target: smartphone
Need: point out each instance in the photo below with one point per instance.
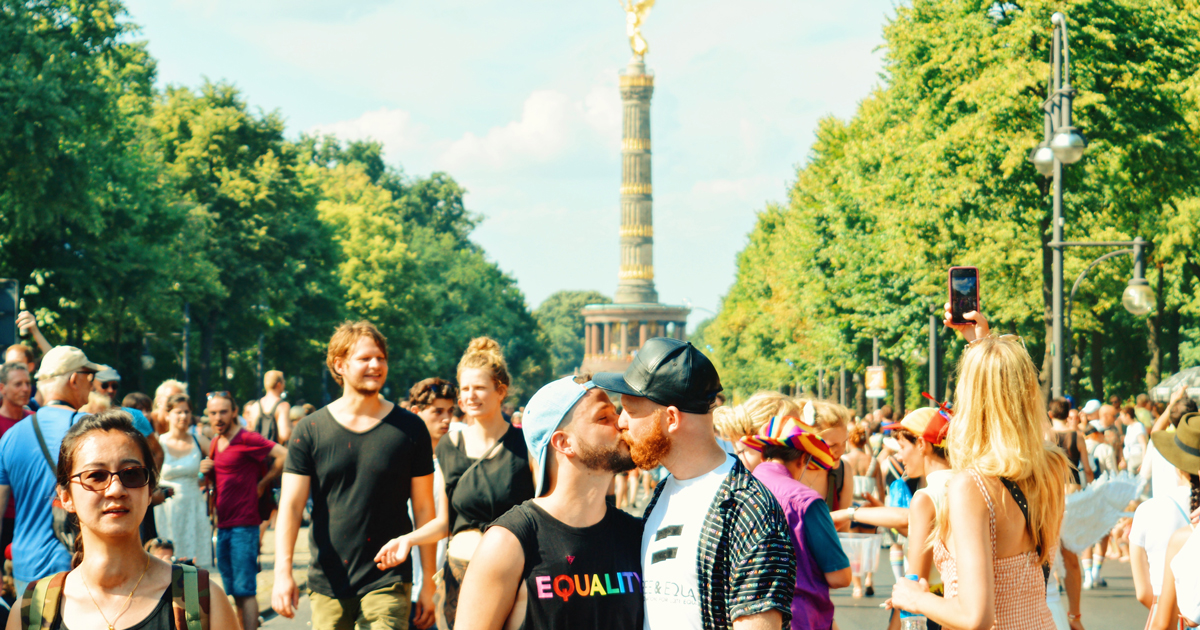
(964, 292)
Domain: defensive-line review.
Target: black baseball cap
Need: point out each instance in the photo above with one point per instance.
(670, 372)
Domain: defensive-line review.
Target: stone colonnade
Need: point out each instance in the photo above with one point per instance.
(620, 339)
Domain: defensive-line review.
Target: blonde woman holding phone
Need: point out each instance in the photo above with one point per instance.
(994, 543)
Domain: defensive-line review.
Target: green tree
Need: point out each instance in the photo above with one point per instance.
(561, 319)
(276, 261)
(931, 172)
(408, 266)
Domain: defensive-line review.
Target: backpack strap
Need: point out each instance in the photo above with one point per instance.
(41, 604)
(1019, 498)
(189, 597)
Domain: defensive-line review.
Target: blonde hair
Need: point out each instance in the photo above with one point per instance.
(164, 391)
(484, 353)
(828, 415)
(343, 340)
(271, 379)
(747, 418)
(999, 430)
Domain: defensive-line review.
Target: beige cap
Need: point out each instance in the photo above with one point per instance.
(64, 360)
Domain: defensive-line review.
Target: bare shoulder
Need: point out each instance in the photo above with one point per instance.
(499, 553)
(964, 489)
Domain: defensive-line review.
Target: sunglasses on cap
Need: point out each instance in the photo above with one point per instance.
(99, 480)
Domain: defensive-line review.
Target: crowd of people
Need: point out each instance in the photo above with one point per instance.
(450, 509)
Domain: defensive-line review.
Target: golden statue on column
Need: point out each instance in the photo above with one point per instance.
(635, 14)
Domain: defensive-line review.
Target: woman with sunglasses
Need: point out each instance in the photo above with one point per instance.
(104, 481)
(1004, 506)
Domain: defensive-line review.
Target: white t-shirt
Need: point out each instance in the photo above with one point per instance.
(670, 544)
(1153, 523)
(1134, 450)
(1106, 456)
(1186, 567)
(1164, 477)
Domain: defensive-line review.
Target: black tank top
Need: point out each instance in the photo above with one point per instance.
(162, 618)
(492, 488)
(579, 578)
(1072, 449)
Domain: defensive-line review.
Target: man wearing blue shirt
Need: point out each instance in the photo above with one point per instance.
(65, 379)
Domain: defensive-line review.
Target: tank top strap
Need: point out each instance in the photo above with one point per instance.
(991, 507)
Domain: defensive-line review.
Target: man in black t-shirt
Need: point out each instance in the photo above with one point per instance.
(363, 458)
(566, 559)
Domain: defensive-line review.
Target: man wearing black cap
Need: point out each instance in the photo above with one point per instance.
(715, 548)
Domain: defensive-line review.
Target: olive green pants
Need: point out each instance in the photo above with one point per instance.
(383, 609)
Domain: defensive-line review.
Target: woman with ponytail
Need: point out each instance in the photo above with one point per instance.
(485, 468)
(994, 543)
(105, 476)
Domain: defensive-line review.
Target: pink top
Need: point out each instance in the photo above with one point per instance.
(1019, 583)
(236, 468)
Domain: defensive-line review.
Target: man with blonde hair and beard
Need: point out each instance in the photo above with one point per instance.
(362, 457)
(716, 548)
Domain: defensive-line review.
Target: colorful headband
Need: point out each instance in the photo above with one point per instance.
(789, 432)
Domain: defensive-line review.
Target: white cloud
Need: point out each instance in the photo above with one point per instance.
(393, 127)
(547, 127)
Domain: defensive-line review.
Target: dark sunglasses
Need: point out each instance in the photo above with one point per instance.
(99, 480)
(162, 542)
(110, 385)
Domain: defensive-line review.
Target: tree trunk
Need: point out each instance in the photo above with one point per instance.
(860, 396)
(208, 333)
(1153, 339)
(1078, 350)
(898, 394)
(1048, 311)
(1098, 365)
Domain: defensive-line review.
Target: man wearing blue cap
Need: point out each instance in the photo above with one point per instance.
(565, 559)
(716, 548)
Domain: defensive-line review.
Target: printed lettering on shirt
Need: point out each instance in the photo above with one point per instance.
(670, 593)
(670, 552)
(587, 585)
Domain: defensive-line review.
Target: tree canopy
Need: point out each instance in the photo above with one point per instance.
(931, 172)
(124, 207)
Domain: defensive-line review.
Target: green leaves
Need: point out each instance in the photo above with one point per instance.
(931, 172)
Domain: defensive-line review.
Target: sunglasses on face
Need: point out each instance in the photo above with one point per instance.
(99, 480)
(110, 385)
(91, 376)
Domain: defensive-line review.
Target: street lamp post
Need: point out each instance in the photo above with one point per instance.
(1062, 144)
(1138, 297)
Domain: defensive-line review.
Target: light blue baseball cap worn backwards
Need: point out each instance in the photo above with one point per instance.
(545, 412)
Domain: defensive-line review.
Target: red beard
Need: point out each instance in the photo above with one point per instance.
(649, 452)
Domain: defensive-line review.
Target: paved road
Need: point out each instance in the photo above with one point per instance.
(1112, 608)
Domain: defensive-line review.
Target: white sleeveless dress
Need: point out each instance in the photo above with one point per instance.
(183, 519)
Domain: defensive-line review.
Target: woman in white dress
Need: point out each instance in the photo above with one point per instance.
(183, 518)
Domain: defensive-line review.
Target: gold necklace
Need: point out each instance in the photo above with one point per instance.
(112, 624)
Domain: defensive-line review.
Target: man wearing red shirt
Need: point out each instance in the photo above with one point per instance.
(15, 387)
(233, 466)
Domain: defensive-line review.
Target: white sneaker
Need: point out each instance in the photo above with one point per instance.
(1087, 581)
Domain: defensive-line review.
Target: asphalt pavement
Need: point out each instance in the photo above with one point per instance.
(1111, 608)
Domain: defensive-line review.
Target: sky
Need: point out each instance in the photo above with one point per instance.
(518, 102)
